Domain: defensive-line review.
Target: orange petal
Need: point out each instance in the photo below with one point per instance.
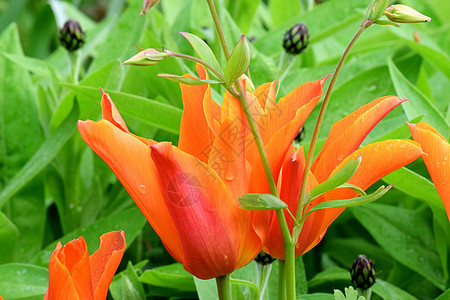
(129, 158)
(347, 134)
(227, 153)
(105, 261)
(266, 92)
(205, 216)
(69, 272)
(308, 94)
(196, 136)
(110, 112)
(436, 160)
(378, 160)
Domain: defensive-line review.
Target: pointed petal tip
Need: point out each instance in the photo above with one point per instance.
(322, 81)
(103, 92)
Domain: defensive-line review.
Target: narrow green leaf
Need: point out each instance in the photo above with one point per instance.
(406, 236)
(354, 201)
(203, 51)
(261, 202)
(388, 291)
(419, 104)
(444, 296)
(355, 188)
(238, 62)
(9, 235)
(169, 276)
(335, 180)
(187, 80)
(158, 114)
(126, 285)
(22, 281)
(46, 153)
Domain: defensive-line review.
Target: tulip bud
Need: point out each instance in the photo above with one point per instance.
(264, 259)
(71, 36)
(146, 5)
(296, 39)
(404, 14)
(363, 272)
(148, 57)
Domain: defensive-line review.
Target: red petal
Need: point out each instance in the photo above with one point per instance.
(207, 219)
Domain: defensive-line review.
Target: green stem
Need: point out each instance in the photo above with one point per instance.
(202, 62)
(367, 293)
(224, 287)
(281, 280)
(326, 100)
(75, 64)
(289, 256)
(223, 43)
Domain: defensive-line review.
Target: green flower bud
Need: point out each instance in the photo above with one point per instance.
(263, 258)
(363, 272)
(148, 57)
(404, 14)
(71, 36)
(296, 39)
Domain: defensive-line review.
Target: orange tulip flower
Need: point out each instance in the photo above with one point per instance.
(189, 194)
(346, 135)
(437, 159)
(73, 274)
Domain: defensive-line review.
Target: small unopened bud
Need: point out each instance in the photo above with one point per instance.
(363, 272)
(71, 36)
(148, 57)
(263, 258)
(296, 39)
(404, 14)
(146, 5)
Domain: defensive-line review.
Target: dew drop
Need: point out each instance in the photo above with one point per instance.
(445, 158)
(229, 174)
(142, 189)
(341, 157)
(403, 146)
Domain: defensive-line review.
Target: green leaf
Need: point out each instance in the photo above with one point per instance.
(419, 104)
(187, 80)
(335, 180)
(126, 285)
(282, 10)
(130, 220)
(206, 289)
(22, 281)
(261, 202)
(203, 51)
(352, 202)
(158, 114)
(172, 276)
(406, 236)
(388, 291)
(46, 153)
(243, 12)
(238, 62)
(329, 275)
(9, 236)
(444, 296)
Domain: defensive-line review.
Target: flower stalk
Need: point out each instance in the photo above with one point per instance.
(224, 287)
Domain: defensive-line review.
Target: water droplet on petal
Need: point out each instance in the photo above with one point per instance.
(403, 146)
(142, 189)
(229, 174)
